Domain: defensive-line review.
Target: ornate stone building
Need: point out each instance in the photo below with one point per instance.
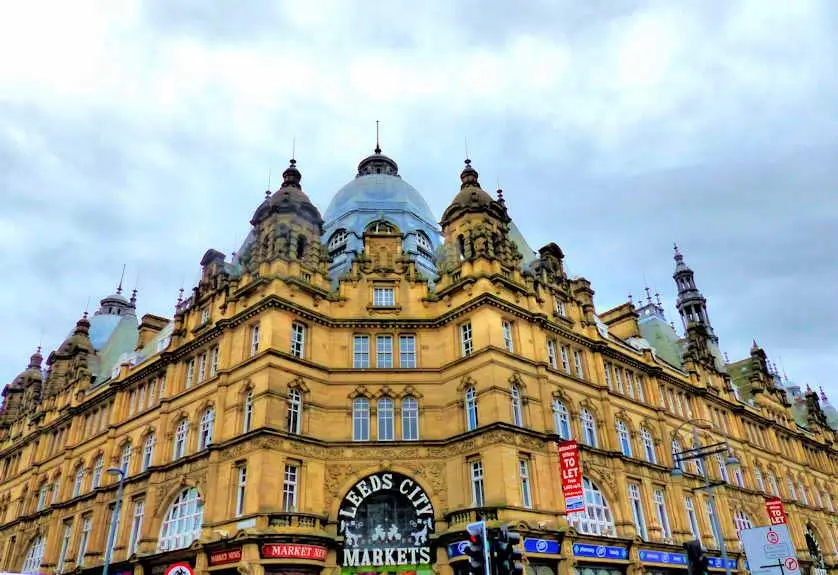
(344, 395)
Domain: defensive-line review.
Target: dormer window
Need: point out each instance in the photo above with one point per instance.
(381, 227)
(163, 344)
(384, 297)
(205, 316)
(115, 371)
(424, 244)
(338, 242)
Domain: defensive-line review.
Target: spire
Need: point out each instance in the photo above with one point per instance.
(82, 326)
(468, 177)
(501, 201)
(291, 177)
(754, 346)
(377, 141)
(36, 359)
(823, 395)
(121, 279)
(691, 304)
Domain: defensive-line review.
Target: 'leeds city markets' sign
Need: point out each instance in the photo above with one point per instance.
(386, 519)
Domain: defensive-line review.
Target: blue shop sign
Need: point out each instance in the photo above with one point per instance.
(717, 563)
(663, 557)
(544, 546)
(599, 551)
(457, 549)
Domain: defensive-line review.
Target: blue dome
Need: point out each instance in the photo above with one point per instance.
(379, 192)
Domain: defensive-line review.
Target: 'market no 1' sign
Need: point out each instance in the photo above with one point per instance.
(386, 519)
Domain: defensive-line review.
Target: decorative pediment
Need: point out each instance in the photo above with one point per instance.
(516, 379)
(410, 391)
(465, 383)
(360, 391)
(298, 384)
(589, 405)
(561, 396)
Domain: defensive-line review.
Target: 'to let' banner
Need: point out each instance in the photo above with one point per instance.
(776, 511)
(574, 496)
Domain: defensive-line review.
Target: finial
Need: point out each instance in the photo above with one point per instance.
(134, 297)
(727, 359)
(84, 315)
(808, 388)
(293, 147)
(180, 296)
(377, 141)
(648, 295)
(268, 188)
(823, 394)
(291, 176)
(658, 299)
(468, 161)
(468, 176)
(754, 345)
(87, 305)
(630, 299)
(121, 279)
(500, 197)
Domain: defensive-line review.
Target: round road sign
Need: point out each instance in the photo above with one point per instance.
(179, 569)
(790, 564)
(772, 537)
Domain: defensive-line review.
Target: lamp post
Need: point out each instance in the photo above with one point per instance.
(703, 452)
(117, 504)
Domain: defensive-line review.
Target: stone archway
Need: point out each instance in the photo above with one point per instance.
(386, 520)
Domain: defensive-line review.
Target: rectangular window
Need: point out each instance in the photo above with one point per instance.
(205, 315)
(692, 518)
(507, 336)
(551, 353)
(65, 544)
(86, 526)
(241, 486)
(526, 487)
(162, 386)
(565, 351)
(384, 351)
(361, 352)
(618, 380)
(637, 510)
(254, 340)
(148, 453)
(141, 400)
(190, 372)
(247, 412)
(136, 527)
(630, 384)
(466, 344)
(202, 367)
(407, 351)
(213, 361)
(561, 308)
(290, 484)
(298, 340)
(641, 395)
(42, 496)
(607, 371)
(478, 494)
(663, 516)
(577, 362)
(384, 297)
(132, 402)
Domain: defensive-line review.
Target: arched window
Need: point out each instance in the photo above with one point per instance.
(772, 481)
(648, 445)
(517, 413)
(381, 227)
(182, 522)
(597, 518)
(247, 411)
(78, 482)
(424, 244)
(410, 418)
(125, 459)
(98, 468)
(814, 547)
(624, 438)
(385, 419)
(471, 409)
(301, 247)
(461, 246)
(561, 419)
(34, 556)
(741, 521)
(361, 419)
(758, 478)
(181, 436)
(295, 408)
(148, 452)
(207, 425)
(676, 449)
(588, 427)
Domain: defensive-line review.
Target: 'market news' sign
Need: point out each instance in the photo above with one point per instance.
(574, 495)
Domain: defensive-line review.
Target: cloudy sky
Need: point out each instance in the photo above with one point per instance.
(143, 132)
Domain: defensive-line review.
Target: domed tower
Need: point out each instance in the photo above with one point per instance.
(286, 227)
(23, 392)
(377, 198)
(476, 226)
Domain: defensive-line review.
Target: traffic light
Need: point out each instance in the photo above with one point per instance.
(697, 561)
(478, 549)
(508, 555)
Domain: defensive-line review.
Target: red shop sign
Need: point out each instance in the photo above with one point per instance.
(293, 551)
(225, 556)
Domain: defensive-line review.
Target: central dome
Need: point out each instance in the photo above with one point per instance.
(377, 187)
(376, 194)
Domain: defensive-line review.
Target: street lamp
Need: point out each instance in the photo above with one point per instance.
(703, 452)
(112, 531)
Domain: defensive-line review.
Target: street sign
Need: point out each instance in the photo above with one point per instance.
(770, 550)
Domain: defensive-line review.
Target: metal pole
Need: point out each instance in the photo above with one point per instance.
(114, 517)
(711, 499)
